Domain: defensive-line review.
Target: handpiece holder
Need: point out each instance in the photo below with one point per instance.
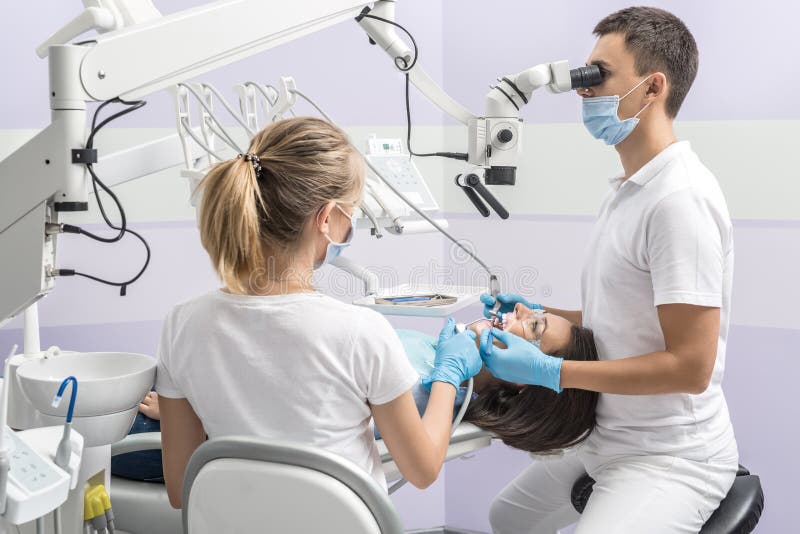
(473, 197)
(472, 186)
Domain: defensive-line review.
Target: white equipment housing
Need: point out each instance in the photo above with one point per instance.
(110, 66)
(36, 485)
(48, 174)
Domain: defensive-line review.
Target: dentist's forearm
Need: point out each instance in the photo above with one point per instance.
(649, 374)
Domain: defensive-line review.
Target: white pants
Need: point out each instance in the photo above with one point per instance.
(635, 494)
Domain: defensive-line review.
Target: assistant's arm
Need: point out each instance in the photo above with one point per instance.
(181, 433)
(685, 366)
(418, 446)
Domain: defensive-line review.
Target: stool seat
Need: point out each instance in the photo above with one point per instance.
(738, 513)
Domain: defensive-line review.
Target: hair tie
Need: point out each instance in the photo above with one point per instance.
(254, 160)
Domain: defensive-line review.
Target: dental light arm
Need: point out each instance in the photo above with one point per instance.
(143, 52)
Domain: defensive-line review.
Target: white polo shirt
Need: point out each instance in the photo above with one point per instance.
(663, 236)
(299, 367)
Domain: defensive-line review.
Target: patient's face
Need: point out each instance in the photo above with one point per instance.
(551, 331)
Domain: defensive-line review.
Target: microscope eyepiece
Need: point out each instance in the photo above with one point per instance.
(585, 76)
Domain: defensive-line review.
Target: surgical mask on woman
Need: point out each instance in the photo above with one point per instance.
(335, 249)
(601, 118)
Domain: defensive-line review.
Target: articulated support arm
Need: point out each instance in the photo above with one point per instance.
(495, 139)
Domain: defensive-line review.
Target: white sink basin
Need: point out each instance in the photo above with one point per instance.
(108, 382)
(99, 429)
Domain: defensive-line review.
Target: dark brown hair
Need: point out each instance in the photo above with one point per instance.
(537, 419)
(659, 41)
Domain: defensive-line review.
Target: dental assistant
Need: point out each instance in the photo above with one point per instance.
(270, 357)
(656, 291)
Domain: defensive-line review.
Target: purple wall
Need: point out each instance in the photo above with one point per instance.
(516, 34)
(465, 45)
(356, 83)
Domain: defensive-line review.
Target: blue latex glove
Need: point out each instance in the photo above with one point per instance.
(507, 303)
(457, 359)
(521, 362)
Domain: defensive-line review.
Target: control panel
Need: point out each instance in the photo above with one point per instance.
(36, 485)
(398, 168)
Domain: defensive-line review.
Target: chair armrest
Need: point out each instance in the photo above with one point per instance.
(144, 441)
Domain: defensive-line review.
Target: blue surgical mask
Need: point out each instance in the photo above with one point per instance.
(601, 118)
(335, 249)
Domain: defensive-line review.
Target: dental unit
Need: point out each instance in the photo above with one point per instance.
(61, 163)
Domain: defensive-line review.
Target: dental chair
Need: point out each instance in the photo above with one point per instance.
(243, 484)
(142, 507)
(738, 513)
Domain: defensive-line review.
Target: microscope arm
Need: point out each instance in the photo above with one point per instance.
(384, 35)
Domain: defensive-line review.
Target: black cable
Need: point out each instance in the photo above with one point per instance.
(133, 106)
(123, 226)
(404, 66)
(123, 286)
(452, 155)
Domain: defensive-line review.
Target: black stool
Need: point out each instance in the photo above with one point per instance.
(738, 513)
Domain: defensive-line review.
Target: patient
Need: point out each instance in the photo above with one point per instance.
(529, 418)
(533, 418)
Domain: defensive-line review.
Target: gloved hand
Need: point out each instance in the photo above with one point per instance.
(507, 303)
(457, 358)
(520, 362)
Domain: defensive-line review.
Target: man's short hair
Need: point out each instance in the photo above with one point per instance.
(659, 41)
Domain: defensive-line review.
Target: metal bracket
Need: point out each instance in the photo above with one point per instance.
(84, 156)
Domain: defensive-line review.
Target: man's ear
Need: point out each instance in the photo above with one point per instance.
(323, 220)
(656, 86)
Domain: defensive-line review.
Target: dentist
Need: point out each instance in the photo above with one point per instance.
(656, 289)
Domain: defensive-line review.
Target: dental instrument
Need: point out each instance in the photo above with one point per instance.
(460, 327)
(64, 449)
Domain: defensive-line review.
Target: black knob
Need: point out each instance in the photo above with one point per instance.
(505, 135)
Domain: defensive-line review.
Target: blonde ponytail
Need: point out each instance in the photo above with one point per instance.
(304, 164)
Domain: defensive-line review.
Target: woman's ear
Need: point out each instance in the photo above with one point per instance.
(323, 220)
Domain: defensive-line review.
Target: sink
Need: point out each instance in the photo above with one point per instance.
(99, 429)
(108, 382)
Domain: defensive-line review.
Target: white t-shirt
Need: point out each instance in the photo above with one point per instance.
(663, 236)
(299, 367)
